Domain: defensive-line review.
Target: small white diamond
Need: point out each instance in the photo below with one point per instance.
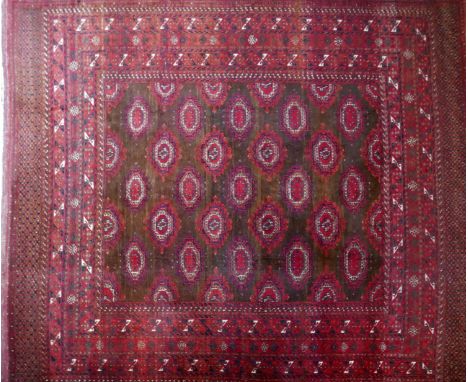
(136, 40)
(252, 39)
(344, 346)
(95, 40)
(414, 281)
(73, 66)
(409, 98)
(174, 40)
(413, 331)
(74, 110)
(378, 42)
(141, 345)
(408, 54)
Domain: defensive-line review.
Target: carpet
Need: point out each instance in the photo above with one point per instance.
(225, 191)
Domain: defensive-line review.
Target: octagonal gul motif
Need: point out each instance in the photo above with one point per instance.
(267, 94)
(112, 225)
(294, 117)
(371, 93)
(239, 116)
(164, 291)
(114, 91)
(190, 117)
(166, 92)
(189, 188)
(137, 117)
(136, 188)
(325, 224)
(373, 153)
(297, 188)
(109, 289)
(375, 225)
(214, 153)
(324, 153)
(164, 224)
(268, 224)
(298, 262)
(267, 153)
(351, 118)
(114, 153)
(326, 289)
(190, 259)
(322, 95)
(269, 290)
(214, 224)
(240, 188)
(353, 189)
(354, 263)
(240, 258)
(214, 93)
(216, 290)
(135, 260)
(375, 291)
(164, 152)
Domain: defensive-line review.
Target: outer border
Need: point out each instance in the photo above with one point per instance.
(447, 53)
(448, 83)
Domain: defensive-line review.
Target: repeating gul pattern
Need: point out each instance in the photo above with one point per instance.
(296, 187)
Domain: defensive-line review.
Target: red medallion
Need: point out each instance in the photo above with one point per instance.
(269, 224)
